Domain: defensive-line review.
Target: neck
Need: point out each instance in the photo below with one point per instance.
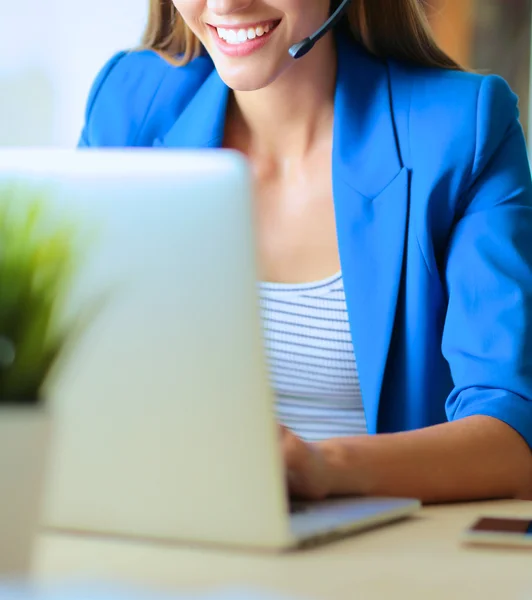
(286, 118)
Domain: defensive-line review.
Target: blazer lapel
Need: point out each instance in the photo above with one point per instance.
(202, 123)
(371, 195)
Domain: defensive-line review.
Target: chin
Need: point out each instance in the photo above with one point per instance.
(247, 79)
(245, 84)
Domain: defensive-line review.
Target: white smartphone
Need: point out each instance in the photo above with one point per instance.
(499, 531)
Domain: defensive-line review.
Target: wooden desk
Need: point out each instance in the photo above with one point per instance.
(416, 559)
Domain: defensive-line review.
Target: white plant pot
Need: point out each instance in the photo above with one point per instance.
(24, 439)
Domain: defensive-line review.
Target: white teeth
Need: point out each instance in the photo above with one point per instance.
(240, 36)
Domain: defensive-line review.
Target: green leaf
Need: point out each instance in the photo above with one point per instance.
(40, 254)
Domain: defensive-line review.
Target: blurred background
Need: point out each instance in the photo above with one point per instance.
(489, 36)
(51, 50)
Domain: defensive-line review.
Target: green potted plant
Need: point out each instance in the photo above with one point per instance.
(38, 258)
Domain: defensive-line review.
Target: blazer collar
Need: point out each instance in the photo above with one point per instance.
(362, 116)
(202, 123)
(365, 148)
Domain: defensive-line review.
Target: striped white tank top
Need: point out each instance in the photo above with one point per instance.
(312, 366)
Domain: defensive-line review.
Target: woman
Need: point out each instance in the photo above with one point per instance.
(394, 220)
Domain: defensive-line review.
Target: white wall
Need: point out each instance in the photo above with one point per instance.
(50, 52)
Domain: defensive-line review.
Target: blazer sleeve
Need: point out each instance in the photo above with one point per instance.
(488, 329)
(86, 138)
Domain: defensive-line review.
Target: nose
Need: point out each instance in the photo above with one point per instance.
(227, 7)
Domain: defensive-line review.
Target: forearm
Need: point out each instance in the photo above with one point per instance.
(470, 459)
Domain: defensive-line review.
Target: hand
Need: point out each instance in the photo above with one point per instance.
(309, 476)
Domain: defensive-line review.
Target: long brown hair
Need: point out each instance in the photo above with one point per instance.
(395, 29)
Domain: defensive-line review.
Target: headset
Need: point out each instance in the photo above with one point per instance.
(306, 45)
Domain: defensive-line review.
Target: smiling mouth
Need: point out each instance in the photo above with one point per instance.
(236, 36)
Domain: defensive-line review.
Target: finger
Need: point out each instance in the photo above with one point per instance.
(284, 432)
(291, 452)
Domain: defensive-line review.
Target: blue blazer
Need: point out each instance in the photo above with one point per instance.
(433, 199)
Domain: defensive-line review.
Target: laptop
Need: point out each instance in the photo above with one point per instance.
(164, 421)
